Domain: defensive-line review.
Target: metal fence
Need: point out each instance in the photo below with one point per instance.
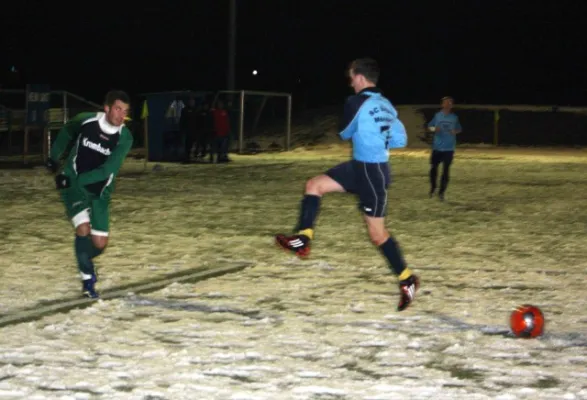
(31, 143)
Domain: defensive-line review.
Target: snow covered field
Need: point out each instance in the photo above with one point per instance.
(512, 231)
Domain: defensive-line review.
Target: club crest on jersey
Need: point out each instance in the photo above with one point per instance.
(96, 147)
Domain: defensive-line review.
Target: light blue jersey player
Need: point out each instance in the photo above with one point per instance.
(446, 126)
(371, 122)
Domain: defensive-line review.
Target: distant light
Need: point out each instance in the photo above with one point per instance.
(13, 69)
(254, 72)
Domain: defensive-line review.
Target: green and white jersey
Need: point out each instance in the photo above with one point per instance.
(98, 150)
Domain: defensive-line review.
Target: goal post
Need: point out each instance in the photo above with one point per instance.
(254, 112)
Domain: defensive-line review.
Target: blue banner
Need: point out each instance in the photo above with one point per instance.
(38, 104)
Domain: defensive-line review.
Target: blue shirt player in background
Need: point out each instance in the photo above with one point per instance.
(445, 126)
(372, 124)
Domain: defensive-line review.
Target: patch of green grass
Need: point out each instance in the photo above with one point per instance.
(546, 383)
(353, 366)
(124, 388)
(457, 371)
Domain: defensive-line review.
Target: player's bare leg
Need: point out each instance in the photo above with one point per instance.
(310, 206)
(408, 282)
(100, 242)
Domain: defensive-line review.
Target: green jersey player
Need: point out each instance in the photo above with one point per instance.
(94, 145)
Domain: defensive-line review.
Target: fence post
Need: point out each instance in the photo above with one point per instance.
(46, 144)
(65, 116)
(288, 127)
(241, 123)
(25, 150)
(145, 118)
(496, 127)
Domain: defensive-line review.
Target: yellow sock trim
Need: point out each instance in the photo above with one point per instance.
(405, 274)
(308, 232)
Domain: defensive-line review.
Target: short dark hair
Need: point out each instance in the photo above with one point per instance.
(367, 67)
(114, 95)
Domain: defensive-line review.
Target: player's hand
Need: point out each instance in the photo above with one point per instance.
(62, 182)
(52, 166)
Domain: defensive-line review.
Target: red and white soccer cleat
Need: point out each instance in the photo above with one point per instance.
(299, 244)
(408, 289)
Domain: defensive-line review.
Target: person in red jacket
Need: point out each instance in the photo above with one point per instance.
(221, 133)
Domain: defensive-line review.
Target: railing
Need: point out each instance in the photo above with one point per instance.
(32, 143)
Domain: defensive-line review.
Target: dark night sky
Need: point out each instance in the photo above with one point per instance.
(478, 51)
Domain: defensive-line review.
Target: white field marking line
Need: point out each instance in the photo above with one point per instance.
(67, 305)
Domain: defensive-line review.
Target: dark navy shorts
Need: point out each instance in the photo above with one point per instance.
(439, 156)
(369, 181)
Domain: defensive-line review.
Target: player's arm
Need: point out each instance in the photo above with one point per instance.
(112, 164)
(399, 136)
(348, 124)
(458, 128)
(432, 124)
(67, 134)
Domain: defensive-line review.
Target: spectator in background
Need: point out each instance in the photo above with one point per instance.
(173, 139)
(188, 127)
(204, 131)
(221, 132)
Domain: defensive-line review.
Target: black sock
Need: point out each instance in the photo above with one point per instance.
(393, 254)
(433, 178)
(309, 211)
(444, 179)
(83, 252)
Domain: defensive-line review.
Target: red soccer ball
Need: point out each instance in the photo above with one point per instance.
(527, 321)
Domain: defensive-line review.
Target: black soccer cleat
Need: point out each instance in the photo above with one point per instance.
(89, 287)
(408, 289)
(299, 244)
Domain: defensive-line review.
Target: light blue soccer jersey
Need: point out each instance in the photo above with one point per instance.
(372, 123)
(444, 140)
